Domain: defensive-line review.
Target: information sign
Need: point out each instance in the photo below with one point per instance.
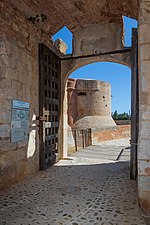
(20, 121)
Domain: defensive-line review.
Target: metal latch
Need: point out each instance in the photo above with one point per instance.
(40, 118)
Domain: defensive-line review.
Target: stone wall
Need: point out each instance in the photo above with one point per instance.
(144, 108)
(93, 98)
(89, 104)
(101, 38)
(18, 80)
(122, 131)
(123, 122)
(99, 135)
(93, 104)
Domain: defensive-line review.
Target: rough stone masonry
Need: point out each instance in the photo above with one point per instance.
(19, 78)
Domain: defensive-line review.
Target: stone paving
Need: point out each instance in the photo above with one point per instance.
(77, 191)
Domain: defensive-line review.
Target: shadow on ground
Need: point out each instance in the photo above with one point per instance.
(74, 192)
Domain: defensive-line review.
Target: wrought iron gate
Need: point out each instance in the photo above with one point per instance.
(49, 77)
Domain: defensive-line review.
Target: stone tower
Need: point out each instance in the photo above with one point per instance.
(89, 104)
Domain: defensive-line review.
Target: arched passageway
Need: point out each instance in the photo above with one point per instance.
(96, 87)
(25, 24)
(133, 161)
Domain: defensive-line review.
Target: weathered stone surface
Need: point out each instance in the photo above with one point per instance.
(145, 52)
(103, 37)
(144, 33)
(144, 198)
(5, 117)
(144, 12)
(18, 80)
(89, 104)
(144, 122)
(4, 130)
(82, 190)
(143, 149)
(123, 131)
(61, 45)
(143, 181)
(78, 13)
(144, 170)
(145, 127)
(19, 66)
(145, 112)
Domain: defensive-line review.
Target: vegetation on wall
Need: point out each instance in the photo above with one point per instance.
(37, 18)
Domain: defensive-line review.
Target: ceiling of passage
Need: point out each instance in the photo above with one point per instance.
(77, 13)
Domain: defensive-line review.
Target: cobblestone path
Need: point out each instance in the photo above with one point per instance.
(77, 191)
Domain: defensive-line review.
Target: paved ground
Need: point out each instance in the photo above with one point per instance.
(94, 190)
(106, 151)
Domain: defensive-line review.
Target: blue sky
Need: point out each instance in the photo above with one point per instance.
(117, 75)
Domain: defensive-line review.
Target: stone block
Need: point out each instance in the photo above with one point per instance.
(144, 34)
(15, 59)
(144, 68)
(145, 51)
(4, 130)
(16, 89)
(144, 202)
(144, 168)
(5, 117)
(24, 32)
(20, 170)
(144, 83)
(61, 45)
(22, 144)
(145, 98)
(5, 104)
(23, 154)
(31, 167)
(5, 84)
(4, 45)
(145, 112)
(8, 173)
(2, 162)
(5, 145)
(144, 182)
(12, 156)
(144, 12)
(143, 149)
(144, 129)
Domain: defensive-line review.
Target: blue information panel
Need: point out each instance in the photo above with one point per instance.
(16, 104)
(20, 121)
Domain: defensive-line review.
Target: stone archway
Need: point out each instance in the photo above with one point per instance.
(75, 66)
(19, 44)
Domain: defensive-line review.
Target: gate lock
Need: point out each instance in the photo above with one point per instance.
(40, 118)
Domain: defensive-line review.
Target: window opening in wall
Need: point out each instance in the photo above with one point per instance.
(128, 25)
(66, 36)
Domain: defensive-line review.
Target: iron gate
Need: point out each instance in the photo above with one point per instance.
(49, 77)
